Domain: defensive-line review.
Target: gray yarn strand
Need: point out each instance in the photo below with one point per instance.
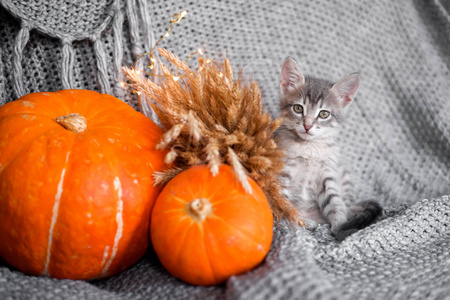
(118, 53)
(67, 64)
(146, 25)
(149, 42)
(3, 99)
(102, 64)
(21, 41)
(132, 13)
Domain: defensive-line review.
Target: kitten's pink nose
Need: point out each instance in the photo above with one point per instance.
(307, 127)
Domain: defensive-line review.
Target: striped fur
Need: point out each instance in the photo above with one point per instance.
(313, 111)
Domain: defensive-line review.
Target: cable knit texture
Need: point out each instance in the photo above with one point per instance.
(396, 140)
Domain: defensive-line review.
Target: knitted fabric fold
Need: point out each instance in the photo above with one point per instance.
(21, 42)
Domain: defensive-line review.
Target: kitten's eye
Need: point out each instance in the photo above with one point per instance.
(298, 109)
(323, 114)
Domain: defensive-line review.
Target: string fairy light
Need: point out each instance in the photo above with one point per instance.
(176, 18)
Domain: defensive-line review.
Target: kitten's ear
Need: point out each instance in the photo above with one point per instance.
(346, 88)
(291, 76)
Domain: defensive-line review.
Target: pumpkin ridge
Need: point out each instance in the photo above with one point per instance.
(56, 101)
(183, 243)
(55, 209)
(228, 199)
(178, 199)
(96, 114)
(182, 238)
(117, 107)
(118, 127)
(237, 230)
(206, 241)
(120, 224)
(177, 210)
(114, 247)
(23, 147)
(21, 114)
(211, 196)
(51, 230)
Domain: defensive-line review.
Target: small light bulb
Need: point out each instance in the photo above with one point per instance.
(139, 93)
(220, 74)
(208, 61)
(122, 84)
(166, 35)
(175, 78)
(200, 51)
(151, 67)
(138, 72)
(184, 13)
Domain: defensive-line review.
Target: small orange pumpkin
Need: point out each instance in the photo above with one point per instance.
(205, 229)
(76, 186)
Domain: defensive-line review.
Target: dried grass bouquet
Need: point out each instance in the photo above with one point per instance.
(211, 117)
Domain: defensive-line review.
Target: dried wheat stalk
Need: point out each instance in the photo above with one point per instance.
(211, 117)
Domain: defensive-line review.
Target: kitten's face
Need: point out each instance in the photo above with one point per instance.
(313, 108)
(312, 117)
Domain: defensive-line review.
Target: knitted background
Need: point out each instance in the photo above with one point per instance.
(396, 140)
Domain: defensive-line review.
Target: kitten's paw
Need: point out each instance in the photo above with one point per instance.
(336, 223)
(335, 229)
(310, 224)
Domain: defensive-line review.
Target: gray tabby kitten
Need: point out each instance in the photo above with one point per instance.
(313, 111)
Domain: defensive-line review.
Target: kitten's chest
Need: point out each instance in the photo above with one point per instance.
(305, 174)
(306, 163)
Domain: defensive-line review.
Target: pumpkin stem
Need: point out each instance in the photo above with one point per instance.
(73, 122)
(199, 208)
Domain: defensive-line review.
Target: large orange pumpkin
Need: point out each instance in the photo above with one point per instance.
(76, 186)
(205, 229)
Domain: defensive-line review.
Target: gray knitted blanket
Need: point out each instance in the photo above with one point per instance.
(396, 140)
